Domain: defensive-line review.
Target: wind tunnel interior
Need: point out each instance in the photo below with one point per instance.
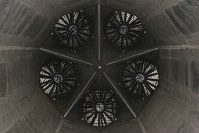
(27, 42)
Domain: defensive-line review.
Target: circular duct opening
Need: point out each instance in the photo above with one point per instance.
(123, 30)
(140, 77)
(73, 30)
(58, 78)
(99, 106)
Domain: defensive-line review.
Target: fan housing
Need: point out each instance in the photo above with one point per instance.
(123, 30)
(58, 78)
(73, 30)
(140, 77)
(99, 106)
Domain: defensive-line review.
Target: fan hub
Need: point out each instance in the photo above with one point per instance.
(139, 78)
(123, 29)
(99, 107)
(100, 65)
(58, 78)
(73, 29)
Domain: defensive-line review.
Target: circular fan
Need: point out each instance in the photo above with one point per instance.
(123, 30)
(140, 77)
(73, 30)
(58, 78)
(99, 107)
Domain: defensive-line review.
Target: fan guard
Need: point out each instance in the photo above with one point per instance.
(99, 106)
(58, 78)
(73, 30)
(140, 77)
(123, 30)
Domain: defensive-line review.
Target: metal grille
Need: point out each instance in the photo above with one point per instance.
(123, 30)
(140, 77)
(73, 30)
(58, 78)
(99, 106)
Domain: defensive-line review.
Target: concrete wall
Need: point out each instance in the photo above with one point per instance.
(23, 108)
(173, 22)
(24, 25)
(123, 127)
(67, 126)
(24, 22)
(175, 106)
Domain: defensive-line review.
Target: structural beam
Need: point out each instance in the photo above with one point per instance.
(65, 56)
(79, 93)
(114, 85)
(131, 55)
(99, 31)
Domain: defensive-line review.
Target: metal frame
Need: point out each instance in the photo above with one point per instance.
(79, 93)
(115, 87)
(99, 32)
(131, 55)
(66, 56)
(99, 70)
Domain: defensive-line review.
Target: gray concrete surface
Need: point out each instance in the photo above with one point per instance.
(123, 127)
(23, 108)
(67, 126)
(174, 108)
